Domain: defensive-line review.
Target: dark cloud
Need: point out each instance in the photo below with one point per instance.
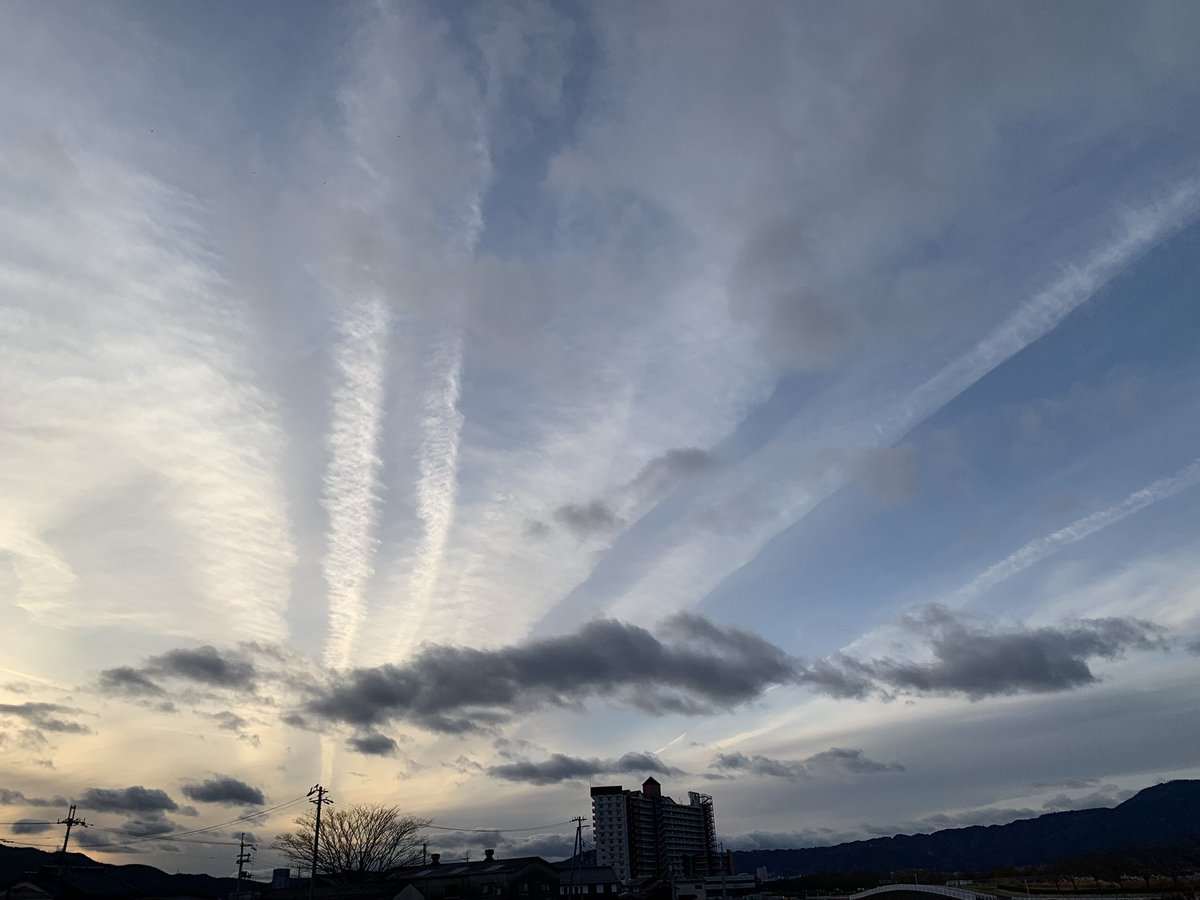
(136, 799)
(547, 846)
(110, 840)
(463, 765)
(536, 528)
(982, 661)
(30, 826)
(148, 826)
(691, 664)
(373, 744)
(815, 837)
(1067, 783)
(560, 767)
(836, 760)
(654, 479)
(847, 759)
(205, 665)
(771, 284)
(10, 797)
(665, 471)
(457, 844)
(128, 681)
(44, 717)
(229, 721)
(224, 789)
(760, 765)
(586, 519)
(1107, 795)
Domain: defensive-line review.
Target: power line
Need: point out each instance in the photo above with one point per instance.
(178, 834)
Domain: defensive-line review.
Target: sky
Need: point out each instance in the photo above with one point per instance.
(456, 405)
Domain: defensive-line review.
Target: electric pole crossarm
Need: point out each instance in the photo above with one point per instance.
(244, 856)
(320, 800)
(69, 821)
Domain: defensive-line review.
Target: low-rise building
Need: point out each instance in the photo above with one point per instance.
(520, 878)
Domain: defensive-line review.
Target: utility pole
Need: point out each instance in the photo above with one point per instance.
(243, 857)
(577, 857)
(320, 800)
(69, 821)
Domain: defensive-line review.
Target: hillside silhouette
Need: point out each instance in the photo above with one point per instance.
(87, 876)
(1160, 816)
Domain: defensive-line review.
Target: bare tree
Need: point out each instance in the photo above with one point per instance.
(361, 842)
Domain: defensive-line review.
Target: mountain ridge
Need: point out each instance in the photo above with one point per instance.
(1163, 815)
(21, 863)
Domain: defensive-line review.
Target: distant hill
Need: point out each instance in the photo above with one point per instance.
(15, 862)
(18, 863)
(1165, 815)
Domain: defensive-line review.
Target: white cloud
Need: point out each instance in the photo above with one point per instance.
(132, 387)
(352, 486)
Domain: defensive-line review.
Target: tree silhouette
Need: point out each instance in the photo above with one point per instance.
(361, 842)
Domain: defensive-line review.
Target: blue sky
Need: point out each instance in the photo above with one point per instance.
(456, 405)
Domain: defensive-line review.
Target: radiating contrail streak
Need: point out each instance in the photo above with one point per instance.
(441, 428)
(677, 578)
(1039, 549)
(1142, 230)
(351, 489)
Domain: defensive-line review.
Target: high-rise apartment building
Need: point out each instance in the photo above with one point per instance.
(642, 833)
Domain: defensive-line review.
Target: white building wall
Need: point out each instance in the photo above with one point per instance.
(610, 832)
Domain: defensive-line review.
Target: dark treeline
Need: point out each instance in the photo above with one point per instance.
(1157, 870)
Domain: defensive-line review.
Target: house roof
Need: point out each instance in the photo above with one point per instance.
(475, 867)
(587, 875)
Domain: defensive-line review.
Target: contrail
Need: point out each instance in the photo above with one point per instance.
(1039, 549)
(351, 493)
(678, 578)
(441, 427)
(1143, 229)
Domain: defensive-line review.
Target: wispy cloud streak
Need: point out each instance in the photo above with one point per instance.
(352, 486)
(133, 393)
(1139, 231)
(1040, 548)
(763, 492)
(441, 427)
